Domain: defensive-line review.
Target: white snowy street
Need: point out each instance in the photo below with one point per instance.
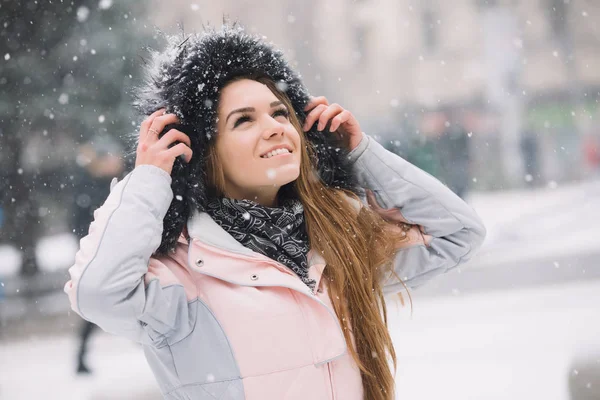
(506, 344)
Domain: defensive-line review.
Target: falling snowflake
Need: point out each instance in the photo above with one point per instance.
(101, 119)
(63, 98)
(105, 4)
(282, 86)
(83, 13)
(7, 56)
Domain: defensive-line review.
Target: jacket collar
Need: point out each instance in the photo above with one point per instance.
(202, 227)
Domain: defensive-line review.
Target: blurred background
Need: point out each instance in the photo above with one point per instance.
(498, 99)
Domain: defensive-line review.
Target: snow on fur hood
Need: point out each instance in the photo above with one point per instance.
(186, 79)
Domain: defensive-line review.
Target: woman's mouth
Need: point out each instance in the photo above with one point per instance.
(275, 153)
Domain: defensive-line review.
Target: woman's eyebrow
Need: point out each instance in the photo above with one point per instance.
(240, 110)
(251, 109)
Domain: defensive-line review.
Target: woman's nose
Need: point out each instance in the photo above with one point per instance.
(273, 128)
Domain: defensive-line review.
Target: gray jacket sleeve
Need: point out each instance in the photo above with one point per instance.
(456, 230)
(108, 285)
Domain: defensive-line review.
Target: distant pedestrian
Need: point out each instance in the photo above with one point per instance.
(98, 162)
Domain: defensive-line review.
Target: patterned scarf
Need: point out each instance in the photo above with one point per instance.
(276, 232)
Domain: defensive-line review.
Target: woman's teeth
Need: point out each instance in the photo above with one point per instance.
(275, 153)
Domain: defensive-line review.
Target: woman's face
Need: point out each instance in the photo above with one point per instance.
(257, 145)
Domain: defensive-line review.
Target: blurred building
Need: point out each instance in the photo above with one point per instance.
(510, 69)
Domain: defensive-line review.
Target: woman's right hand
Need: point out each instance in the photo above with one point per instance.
(154, 151)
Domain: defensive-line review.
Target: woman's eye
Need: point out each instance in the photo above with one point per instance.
(281, 113)
(241, 120)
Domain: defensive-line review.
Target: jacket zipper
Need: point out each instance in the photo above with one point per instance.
(330, 381)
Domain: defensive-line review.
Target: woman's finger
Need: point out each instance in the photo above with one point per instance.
(328, 114)
(172, 136)
(313, 116)
(180, 149)
(158, 125)
(339, 120)
(315, 101)
(147, 122)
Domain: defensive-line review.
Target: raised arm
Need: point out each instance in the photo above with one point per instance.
(450, 230)
(114, 282)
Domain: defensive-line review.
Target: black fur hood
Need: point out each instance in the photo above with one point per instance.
(186, 79)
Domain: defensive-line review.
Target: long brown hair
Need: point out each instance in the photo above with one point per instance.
(358, 249)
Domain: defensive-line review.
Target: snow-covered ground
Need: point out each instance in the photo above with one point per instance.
(512, 344)
(509, 344)
(524, 224)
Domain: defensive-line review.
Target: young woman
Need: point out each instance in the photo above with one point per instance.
(250, 249)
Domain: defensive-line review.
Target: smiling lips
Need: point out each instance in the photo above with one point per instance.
(276, 152)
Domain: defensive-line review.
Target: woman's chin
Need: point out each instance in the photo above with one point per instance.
(283, 174)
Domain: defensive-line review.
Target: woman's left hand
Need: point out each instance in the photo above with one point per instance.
(342, 120)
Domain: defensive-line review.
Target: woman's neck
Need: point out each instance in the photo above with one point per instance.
(267, 197)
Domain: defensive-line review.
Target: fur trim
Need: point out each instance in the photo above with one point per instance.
(186, 79)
